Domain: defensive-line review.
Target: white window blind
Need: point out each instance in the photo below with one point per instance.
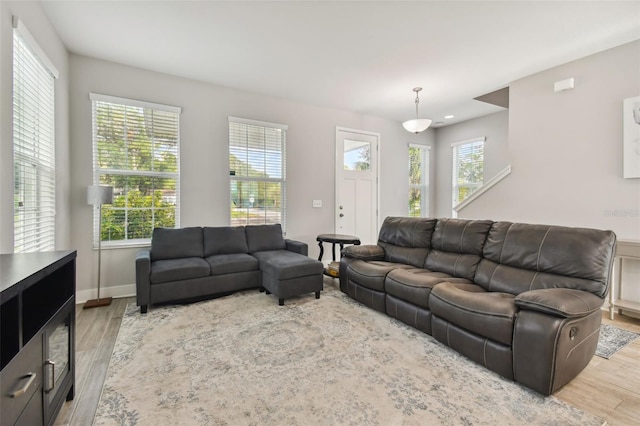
(136, 149)
(419, 180)
(468, 169)
(33, 144)
(257, 172)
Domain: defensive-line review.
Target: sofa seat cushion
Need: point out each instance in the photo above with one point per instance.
(284, 264)
(163, 271)
(469, 306)
(231, 263)
(372, 274)
(414, 285)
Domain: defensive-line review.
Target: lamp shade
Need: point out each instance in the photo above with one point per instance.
(98, 195)
(417, 125)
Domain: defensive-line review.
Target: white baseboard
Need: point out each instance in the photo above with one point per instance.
(128, 290)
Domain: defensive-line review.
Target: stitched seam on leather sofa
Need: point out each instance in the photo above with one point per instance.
(413, 235)
(554, 352)
(540, 248)
(462, 236)
(533, 279)
(448, 344)
(581, 299)
(474, 311)
(492, 274)
(504, 242)
(455, 265)
(444, 228)
(484, 352)
(581, 342)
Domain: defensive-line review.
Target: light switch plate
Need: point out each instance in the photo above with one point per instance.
(317, 203)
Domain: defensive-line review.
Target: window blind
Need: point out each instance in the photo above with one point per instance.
(33, 145)
(257, 172)
(418, 180)
(136, 151)
(468, 169)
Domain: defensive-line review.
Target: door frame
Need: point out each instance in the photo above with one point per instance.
(335, 174)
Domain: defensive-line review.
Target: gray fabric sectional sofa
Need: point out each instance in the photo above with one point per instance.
(523, 300)
(194, 263)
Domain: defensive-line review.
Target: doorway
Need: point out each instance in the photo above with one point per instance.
(357, 184)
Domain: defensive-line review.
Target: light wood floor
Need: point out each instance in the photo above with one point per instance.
(607, 388)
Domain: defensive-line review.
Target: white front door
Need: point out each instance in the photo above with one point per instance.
(357, 184)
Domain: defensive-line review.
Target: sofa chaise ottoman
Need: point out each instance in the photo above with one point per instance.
(193, 263)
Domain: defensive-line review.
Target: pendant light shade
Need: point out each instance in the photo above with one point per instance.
(417, 125)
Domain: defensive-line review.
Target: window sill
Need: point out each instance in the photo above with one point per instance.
(123, 245)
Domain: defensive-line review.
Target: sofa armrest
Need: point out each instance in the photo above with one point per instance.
(297, 247)
(366, 252)
(561, 302)
(143, 283)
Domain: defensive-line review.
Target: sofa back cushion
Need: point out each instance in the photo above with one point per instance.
(406, 239)
(169, 243)
(456, 246)
(519, 257)
(224, 240)
(265, 237)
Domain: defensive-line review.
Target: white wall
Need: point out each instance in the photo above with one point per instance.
(204, 158)
(566, 152)
(566, 148)
(495, 128)
(38, 25)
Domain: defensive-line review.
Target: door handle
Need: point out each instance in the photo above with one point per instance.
(52, 381)
(29, 377)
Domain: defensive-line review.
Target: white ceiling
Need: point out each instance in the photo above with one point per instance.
(360, 56)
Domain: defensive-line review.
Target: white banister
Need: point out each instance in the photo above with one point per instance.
(482, 189)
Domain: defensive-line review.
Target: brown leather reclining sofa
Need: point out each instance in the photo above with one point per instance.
(523, 300)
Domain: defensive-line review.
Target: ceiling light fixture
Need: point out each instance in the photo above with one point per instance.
(418, 124)
(449, 117)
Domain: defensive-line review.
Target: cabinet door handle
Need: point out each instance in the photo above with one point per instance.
(29, 377)
(52, 381)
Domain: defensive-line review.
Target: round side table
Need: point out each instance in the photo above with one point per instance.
(335, 239)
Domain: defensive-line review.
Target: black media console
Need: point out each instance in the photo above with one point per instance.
(37, 335)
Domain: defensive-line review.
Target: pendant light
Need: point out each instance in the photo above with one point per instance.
(418, 124)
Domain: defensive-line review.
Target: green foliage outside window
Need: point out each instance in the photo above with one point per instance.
(137, 154)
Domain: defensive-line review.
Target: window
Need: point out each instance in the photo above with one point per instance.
(136, 147)
(33, 144)
(419, 180)
(468, 169)
(257, 172)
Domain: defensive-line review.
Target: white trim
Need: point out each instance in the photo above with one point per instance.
(483, 188)
(33, 44)
(119, 291)
(258, 123)
(418, 145)
(474, 140)
(134, 103)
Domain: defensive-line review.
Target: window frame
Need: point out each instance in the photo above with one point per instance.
(455, 176)
(98, 171)
(34, 143)
(423, 186)
(282, 180)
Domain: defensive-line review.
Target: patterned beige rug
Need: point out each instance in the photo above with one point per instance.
(244, 360)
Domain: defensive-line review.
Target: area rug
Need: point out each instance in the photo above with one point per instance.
(612, 339)
(244, 360)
